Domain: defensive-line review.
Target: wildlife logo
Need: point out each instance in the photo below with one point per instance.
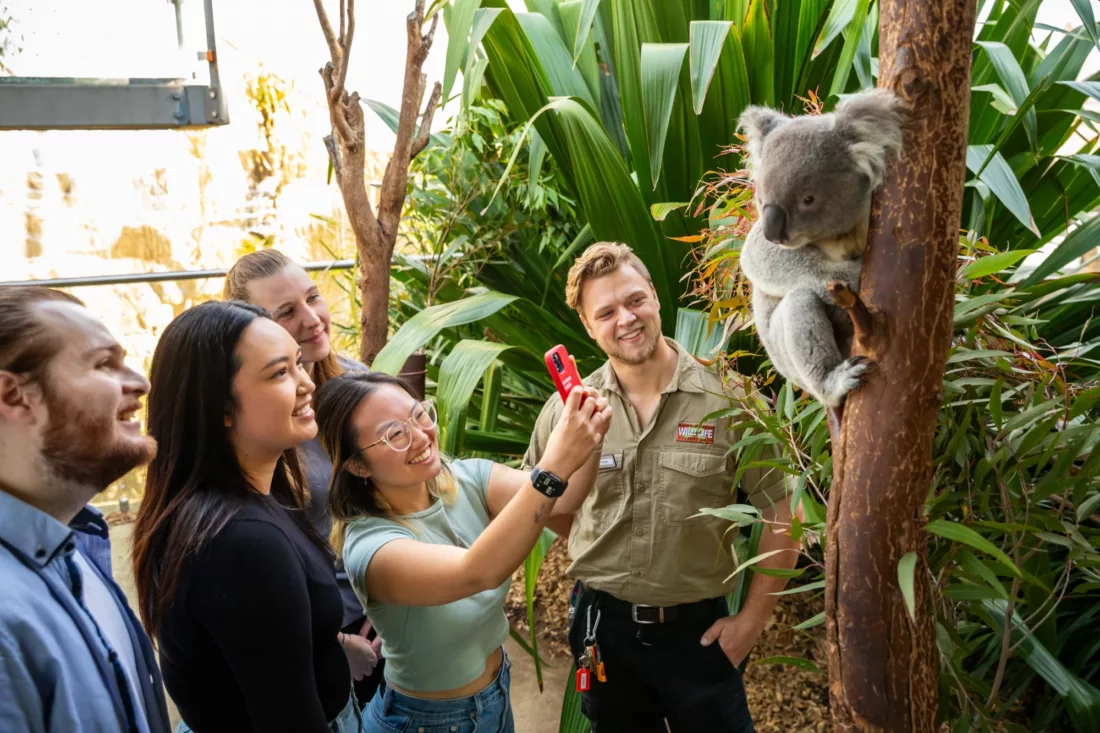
(689, 433)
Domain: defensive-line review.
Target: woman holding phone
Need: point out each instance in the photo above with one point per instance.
(430, 544)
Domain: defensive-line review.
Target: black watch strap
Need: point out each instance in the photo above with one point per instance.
(547, 483)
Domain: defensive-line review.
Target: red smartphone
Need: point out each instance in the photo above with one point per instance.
(563, 371)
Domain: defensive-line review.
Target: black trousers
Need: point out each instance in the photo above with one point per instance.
(659, 672)
(366, 687)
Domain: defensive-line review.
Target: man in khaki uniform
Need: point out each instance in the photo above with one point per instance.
(652, 572)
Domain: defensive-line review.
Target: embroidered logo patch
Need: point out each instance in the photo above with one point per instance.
(690, 433)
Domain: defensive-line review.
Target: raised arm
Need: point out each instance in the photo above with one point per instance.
(506, 482)
(409, 572)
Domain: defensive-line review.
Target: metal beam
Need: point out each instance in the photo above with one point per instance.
(107, 104)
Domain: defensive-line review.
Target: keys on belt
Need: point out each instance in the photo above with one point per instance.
(591, 662)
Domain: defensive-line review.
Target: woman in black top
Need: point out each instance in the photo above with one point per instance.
(232, 579)
(271, 280)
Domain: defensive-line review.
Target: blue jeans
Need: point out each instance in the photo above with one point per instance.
(348, 721)
(488, 711)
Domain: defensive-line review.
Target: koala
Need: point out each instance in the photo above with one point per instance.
(814, 177)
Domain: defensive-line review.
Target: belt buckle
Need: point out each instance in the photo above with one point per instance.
(634, 614)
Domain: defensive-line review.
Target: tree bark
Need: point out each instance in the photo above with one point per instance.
(375, 237)
(882, 663)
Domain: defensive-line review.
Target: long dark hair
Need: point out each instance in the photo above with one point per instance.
(261, 264)
(350, 496)
(195, 484)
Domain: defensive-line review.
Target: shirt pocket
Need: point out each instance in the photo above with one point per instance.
(606, 500)
(689, 481)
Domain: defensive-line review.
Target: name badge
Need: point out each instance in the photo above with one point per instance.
(608, 460)
(694, 433)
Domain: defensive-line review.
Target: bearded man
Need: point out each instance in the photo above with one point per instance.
(73, 657)
(650, 622)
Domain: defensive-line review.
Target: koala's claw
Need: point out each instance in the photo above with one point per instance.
(865, 360)
(848, 375)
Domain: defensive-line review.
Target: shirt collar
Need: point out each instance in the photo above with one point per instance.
(31, 531)
(687, 378)
(89, 520)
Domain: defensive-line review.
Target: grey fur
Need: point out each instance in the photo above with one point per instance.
(815, 175)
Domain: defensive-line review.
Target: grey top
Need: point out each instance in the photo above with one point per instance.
(57, 676)
(318, 468)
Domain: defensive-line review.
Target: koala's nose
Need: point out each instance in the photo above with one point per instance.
(775, 224)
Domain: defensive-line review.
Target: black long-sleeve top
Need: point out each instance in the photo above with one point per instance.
(250, 642)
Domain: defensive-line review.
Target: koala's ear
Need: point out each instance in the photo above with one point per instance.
(872, 122)
(757, 123)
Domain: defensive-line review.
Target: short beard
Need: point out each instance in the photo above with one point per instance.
(73, 449)
(649, 346)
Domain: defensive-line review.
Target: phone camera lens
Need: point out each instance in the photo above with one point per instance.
(557, 363)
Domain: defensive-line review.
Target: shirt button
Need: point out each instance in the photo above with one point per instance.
(40, 553)
(641, 488)
(70, 547)
(640, 532)
(636, 573)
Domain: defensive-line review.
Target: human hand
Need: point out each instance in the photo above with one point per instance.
(736, 635)
(579, 431)
(364, 631)
(362, 655)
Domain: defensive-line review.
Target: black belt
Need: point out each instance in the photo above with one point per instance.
(640, 613)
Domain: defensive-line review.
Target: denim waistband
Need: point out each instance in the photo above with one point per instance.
(423, 709)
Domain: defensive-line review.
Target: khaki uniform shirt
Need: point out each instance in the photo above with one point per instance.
(636, 536)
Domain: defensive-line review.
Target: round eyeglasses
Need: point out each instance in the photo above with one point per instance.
(398, 436)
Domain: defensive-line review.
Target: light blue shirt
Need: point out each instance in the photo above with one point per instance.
(56, 671)
(433, 648)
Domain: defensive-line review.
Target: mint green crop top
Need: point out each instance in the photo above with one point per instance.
(433, 648)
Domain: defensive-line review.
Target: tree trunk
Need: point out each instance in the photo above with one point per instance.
(375, 237)
(882, 663)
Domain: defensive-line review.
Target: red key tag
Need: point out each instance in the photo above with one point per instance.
(584, 679)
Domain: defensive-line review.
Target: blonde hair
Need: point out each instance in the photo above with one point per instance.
(602, 258)
(265, 263)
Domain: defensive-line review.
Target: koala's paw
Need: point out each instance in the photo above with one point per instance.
(851, 373)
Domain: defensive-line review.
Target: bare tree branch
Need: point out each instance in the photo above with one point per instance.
(397, 171)
(343, 15)
(424, 134)
(862, 320)
(427, 40)
(326, 28)
(345, 48)
(338, 108)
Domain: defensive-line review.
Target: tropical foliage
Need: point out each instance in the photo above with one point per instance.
(584, 120)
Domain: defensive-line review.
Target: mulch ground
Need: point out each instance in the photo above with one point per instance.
(782, 698)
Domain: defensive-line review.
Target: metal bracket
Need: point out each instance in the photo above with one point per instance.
(60, 103)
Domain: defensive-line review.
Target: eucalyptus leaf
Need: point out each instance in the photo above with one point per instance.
(906, 576)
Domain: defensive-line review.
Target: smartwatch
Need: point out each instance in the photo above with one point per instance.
(547, 483)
